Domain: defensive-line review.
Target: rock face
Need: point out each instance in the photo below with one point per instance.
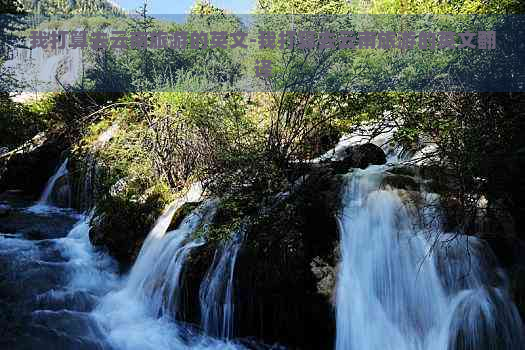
(277, 295)
(61, 194)
(359, 156)
(30, 168)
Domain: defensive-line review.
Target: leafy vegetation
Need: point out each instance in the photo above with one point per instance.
(250, 146)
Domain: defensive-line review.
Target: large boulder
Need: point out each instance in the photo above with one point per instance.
(61, 194)
(359, 156)
(120, 226)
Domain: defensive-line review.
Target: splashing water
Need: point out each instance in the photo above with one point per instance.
(216, 291)
(46, 203)
(62, 171)
(141, 314)
(396, 292)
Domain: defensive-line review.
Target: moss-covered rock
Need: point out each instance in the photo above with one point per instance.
(326, 275)
(181, 213)
(274, 278)
(121, 224)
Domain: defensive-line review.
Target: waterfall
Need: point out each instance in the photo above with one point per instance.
(149, 297)
(45, 198)
(159, 287)
(156, 274)
(92, 270)
(402, 286)
(39, 69)
(216, 290)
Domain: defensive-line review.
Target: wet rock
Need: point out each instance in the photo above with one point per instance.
(181, 214)
(407, 170)
(61, 194)
(403, 182)
(359, 156)
(274, 278)
(364, 155)
(29, 167)
(121, 226)
(37, 226)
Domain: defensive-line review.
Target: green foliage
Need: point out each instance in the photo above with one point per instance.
(232, 212)
(69, 7)
(444, 7)
(122, 224)
(304, 6)
(204, 136)
(17, 123)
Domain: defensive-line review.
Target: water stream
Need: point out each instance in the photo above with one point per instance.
(216, 293)
(405, 284)
(61, 171)
(58, 292)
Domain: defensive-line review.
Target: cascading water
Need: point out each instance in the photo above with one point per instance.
(403, 283)
(157, 273)
(47, 69)
(61, 172)
(216, 291)
(73, 298)
(149, 297)
(403, 287)
(56, 195)
(90, 167)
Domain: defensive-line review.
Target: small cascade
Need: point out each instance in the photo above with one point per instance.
(47, 195)
(92, 270)
(401, 286)
(149, 297)
(159, 287)
(217, 290)
(155, 276)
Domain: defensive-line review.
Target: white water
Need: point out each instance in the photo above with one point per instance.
(45, 204)
(91, 270)
(156, 275)
(61, 171)
(95, 308)
(216, 294)
(396, 292)
(141, 313)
